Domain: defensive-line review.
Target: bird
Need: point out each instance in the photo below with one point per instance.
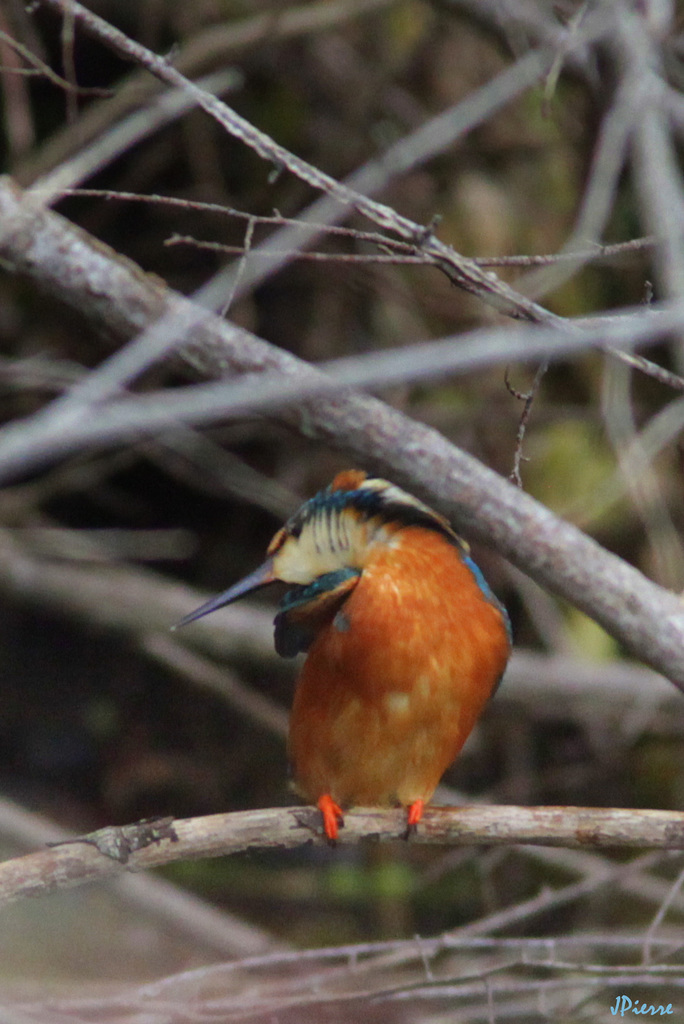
(405, 642)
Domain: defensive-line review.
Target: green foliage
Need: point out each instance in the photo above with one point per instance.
(569, 464)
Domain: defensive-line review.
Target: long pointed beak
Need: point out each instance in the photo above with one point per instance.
(259, 578)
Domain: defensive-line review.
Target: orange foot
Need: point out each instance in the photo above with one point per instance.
(332, 815)
(415, 813)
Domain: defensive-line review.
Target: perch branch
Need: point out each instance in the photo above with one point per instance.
(152, 843)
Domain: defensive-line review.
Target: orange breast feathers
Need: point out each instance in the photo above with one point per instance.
(394, 683)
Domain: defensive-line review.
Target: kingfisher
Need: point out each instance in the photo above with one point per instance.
(404, 641)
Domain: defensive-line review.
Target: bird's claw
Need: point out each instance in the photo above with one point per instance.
(415, 813)
(333, 819)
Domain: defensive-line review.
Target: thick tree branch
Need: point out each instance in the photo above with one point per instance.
(119, 299)
(150, 844)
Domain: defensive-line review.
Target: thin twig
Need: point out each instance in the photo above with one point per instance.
(592, 253)
(461, 270)
(527, 397)
(41, 68)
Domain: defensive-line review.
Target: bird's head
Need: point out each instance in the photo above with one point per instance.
(323, 548)
(339, 527)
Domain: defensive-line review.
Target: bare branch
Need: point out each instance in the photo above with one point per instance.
(149, 844)
(462, 271)
(118, 297)
(209, 49)
(41, 68)
(121, 137)
(527, 398)
(68, 424)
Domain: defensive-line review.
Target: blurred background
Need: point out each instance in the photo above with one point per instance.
(104, 717)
